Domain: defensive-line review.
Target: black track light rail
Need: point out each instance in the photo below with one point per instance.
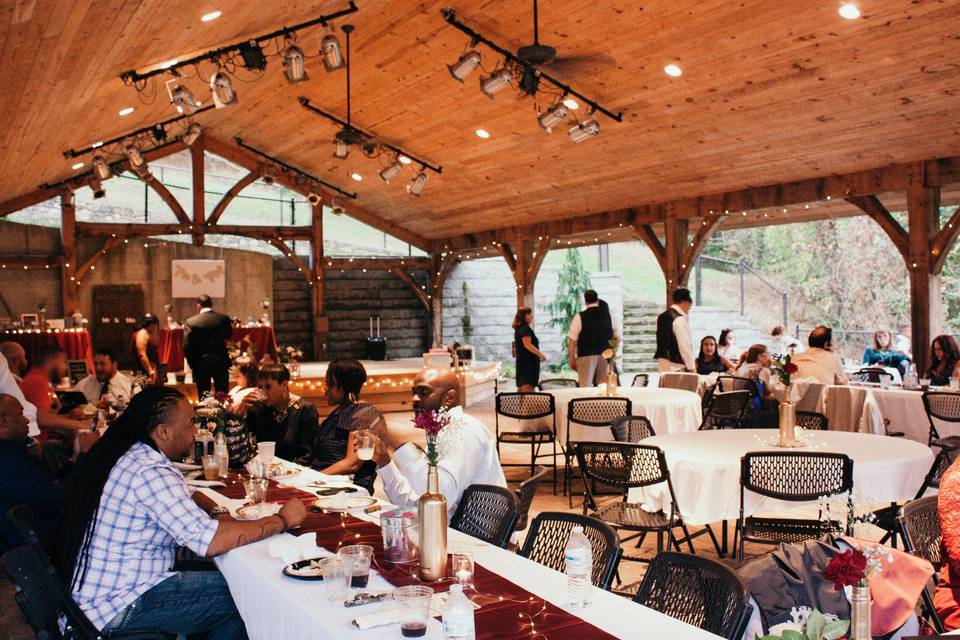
(117, 167)
(76, 153)
(451, 17)
(292, 169)
(131, 76)
(329, 116)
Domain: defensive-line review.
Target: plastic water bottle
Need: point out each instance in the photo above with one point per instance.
(458, 622)
(911, 380)
(222, 454)
(579, 567)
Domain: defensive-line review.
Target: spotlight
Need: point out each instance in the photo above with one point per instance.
(221, 87)
(418, 184)
(181, 97)
(253, 58)
(336, 207)
(294, 69)
(268, 176)
(554, 115)
(313, 199)
(191, 134)
(98, 190)
(496, 81)
(466, 65)
(391, 171)
(101, 169)
(330, 50)
(158, 132)
(340, 149)
(584, 131)
(137, 162)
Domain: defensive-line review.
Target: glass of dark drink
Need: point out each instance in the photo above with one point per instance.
(414, 604)
(360, 556)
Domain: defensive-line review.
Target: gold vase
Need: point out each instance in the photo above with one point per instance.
(788, 421)
(611, 382)
(433, 530)
(860, 613)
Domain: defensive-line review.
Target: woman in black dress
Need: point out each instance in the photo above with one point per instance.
(944, 360)
(283, 417)
(526, 349)
(146, 356)
(709, 361)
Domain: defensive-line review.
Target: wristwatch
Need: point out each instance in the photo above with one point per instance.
(219, 511)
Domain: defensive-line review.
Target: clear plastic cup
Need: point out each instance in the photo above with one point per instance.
(461, 568)
(256, 489)
(360, 556)
(337, 572)
(366, 441)
(211, 467)
(266, 450)
(414, 604)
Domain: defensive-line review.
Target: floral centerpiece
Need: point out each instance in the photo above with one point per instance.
(432, 504)
(784, 369)
(850, 570)
(610, 355)
(816, 626)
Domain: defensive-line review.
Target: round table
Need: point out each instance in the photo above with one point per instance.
(705, 470)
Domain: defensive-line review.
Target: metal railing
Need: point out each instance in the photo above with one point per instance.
(743, 269)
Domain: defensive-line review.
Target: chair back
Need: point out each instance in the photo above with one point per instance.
(624, 465)
(680, 380)
(486, 512)
(920, 524)
(871, 374)
(949, 452)
(812, 421)
(640, 380)
(557, 383)
(737, 383)
(631, 429)
(940, 405)
(547, 539)
(35, 587)
(597, 412)
(525, 406)
(525, 494)
(697, 590)
(795, 476)
(726, 409)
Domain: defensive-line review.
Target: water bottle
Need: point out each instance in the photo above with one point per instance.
(579, 567)
(458, 623)
(911, 381)
(221, 453)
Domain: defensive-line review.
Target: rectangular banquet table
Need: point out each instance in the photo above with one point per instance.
(75, 342)
(275, 606)
(262, 339)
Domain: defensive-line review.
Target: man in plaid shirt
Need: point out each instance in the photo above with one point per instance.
(130, 512)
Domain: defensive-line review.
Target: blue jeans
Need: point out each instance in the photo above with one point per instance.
(189, 602)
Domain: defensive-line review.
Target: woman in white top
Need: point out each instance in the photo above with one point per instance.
(727, 346)
(755, 365)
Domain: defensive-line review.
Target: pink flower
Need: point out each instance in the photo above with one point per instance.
(431, 422)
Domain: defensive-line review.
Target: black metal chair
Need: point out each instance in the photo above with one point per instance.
(525, 494)
(940, 405)
(625, 466)
(486, 512)
(736, 383)
(919, 524)
(590, 412)
(557, 383)
(726, 410)
(812, 421)
(792, 476)
(701, 592)
(872, 375)
(631, 429)
(640, 380)
(547, 540)
(528, 406)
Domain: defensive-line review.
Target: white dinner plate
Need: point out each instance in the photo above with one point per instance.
(342, 504)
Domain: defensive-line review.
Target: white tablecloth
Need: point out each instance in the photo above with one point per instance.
(881, 411)
(274, 606)
(705, 469)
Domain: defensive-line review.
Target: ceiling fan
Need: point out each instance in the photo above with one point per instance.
(538, 55)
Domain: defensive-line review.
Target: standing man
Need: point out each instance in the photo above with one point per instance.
(590, 334)
(674, 346)
(205, 347)
(107, 385)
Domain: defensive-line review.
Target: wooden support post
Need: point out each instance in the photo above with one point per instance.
(926, 311)
(68, 244)
(437, 276)
(199, 192)
(321, 325)
(674, 244)
(524, 259)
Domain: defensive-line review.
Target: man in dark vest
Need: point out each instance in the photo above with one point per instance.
(205, 347)
(674, 346)
(590, 334)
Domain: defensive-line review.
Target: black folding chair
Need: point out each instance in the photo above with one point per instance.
(726, 410)
(919, 524)
(525, 494)
(701, 592)
(557, 383)
(640, 380)
(528, 406)
(871, 375)
(486, 512)
(812, 421)
(593, 413)
(547, 540)
(940, 405)
(792, 476)
(736, 383)
(631, 429)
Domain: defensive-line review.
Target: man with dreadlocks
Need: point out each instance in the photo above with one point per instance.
(131, 509)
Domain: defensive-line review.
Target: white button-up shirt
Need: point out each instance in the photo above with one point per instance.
(119, 390)
(468, 455)
(9, 386)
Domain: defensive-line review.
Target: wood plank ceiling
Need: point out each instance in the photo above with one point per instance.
(771, 92)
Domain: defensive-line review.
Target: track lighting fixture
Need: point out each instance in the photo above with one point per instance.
(101, 169)
(192, 134)
(221, 88)
(313, 198)
(330, 50)
(584, 131)
(138, 164)
(391, 171)
(275, 166)
(496, 81)
(98, 190)
(336, 207)
(418, 184)
(466, 65)
(340, 148)
(252, 56)
(294, 69)
(554, 115)
(181, 97)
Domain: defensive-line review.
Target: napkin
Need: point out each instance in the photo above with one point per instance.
(379, 618)
(291, 549)
(186, 466)
(197, 482)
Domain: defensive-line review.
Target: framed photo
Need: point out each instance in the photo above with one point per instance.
(28, 320)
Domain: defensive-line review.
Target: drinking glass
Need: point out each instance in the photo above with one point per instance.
(366, 442)
(359, 556)
(211, 467)
(256, 489)
(337, 571)
(266, 450)
(461, 568)
(954, 384)
(414, 604)
(924, 383)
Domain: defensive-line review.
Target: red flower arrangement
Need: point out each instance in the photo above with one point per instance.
(432, 423)
(784, 368)
(847, 569)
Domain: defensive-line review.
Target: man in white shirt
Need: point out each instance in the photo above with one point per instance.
(107, 384)
(467, 449)
(9, 386)
(589, 336)
(674, 346)
(819, 361)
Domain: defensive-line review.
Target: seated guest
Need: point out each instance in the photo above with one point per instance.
(902, 341)
(946, 597)
(16, 358)
(107, 386)
(10, 385)
(283, 417)
(883, 354)
(244, 394)
(727, 345)
(331, 453)
(819, 361)
(944, 360)
(781, 343)
(709, 361)
(755, 364)
(129, 511)
(49, 368)
(467, 449)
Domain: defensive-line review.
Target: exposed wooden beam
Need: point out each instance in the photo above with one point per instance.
(506, 250)
(26, 200)
(135, 230)
(169, 198)
(944, 241)
(646, 235)
(29, 261)
(377, 264)
(923, 210)
(440, 268)
(700, 238)
(872, 206)
(297, 261)
(106, 248)
(68, 247)
(199, 191)
(412, 284)
(321, 324)
(228, 197)
(539, 255)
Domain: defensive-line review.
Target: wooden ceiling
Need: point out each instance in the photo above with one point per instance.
(771, 92)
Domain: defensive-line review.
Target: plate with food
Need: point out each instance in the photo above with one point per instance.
(257, 511)
(311, 569)
(341, 503)
(279, 472)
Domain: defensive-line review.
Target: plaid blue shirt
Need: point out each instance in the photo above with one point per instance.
(145, 513)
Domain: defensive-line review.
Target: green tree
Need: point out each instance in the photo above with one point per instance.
(572, 281)
(466, 324)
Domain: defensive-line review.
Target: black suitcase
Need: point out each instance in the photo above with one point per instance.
(376, 344)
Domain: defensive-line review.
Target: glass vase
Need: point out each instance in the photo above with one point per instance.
(433, 530)
(860, 613)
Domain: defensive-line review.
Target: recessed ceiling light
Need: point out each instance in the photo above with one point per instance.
(77, 165)
(404, 159)
(207, 17)
(483, 133)
(356, 176)
(570, 103)
(849, 11)
(125, 111)
(672, 70)
(98, 143)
